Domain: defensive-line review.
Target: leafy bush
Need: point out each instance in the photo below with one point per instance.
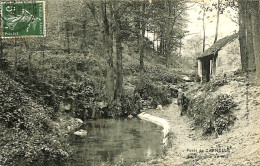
(161, 73)
(129, 104)
(215, 83)
(159, 94)
(223, 117)
(213, 114)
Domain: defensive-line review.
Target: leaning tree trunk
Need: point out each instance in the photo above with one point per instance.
(256, 36)
(242, 35)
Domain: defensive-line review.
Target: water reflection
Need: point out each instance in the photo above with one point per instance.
(118, 141)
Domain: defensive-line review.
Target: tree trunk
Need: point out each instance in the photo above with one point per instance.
(141, 52)
(256, 36)
(168, 36)
(242, 35)
(119, 65)
(204, 29)
(216, 34)
(249, 38)
(108, 45)
(83, 45)
(110, 73)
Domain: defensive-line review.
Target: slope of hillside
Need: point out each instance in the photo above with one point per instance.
(26, 134)
(240, 145)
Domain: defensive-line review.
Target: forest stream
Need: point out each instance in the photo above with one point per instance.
(118, 141)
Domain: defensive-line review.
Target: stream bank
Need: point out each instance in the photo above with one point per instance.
(159, 121)
(237, 146)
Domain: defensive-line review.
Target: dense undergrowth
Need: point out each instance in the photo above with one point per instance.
(35, 92)
(26, 136)
(212, 113)
(75, 83)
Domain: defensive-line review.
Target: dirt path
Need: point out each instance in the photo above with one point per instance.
(239, 146)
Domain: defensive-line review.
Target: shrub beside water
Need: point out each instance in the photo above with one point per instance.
(154, 94)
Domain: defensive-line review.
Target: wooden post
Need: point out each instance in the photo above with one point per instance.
(199, 68)
(214, 66)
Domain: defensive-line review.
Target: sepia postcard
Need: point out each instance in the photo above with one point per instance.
(129, 82)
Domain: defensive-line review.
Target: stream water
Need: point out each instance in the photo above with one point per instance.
(118, 141)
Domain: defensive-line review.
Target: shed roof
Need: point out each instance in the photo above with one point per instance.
(218, 46)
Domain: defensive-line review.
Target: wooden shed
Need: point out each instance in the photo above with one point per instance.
(207, 60)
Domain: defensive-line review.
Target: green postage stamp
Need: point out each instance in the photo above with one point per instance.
(23, 19)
